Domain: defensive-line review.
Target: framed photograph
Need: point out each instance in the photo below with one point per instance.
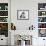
(23, 14)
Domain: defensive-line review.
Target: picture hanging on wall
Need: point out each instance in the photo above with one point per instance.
(23, 14)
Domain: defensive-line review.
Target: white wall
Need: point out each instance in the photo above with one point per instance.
(24, 5)
(32, 6)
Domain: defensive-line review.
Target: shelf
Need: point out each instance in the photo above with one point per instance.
(42, 19)
(41, 22)
(41, 10)
(3, 22)
(41, 28)
(4, 19)
(3, 16)
(42, 16)
(3, 10)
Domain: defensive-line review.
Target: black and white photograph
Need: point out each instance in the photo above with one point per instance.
(22, 14)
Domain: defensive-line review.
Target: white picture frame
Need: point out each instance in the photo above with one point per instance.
(23, 14)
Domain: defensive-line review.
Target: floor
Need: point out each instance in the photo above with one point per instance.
(3, 45)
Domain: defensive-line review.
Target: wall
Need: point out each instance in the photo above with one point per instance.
(32, 6)
(22, 5)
